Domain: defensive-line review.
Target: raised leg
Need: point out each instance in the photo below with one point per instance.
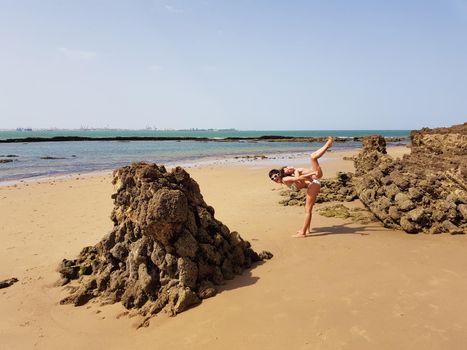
(318, 154)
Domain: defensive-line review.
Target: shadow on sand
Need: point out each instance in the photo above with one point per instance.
(243, 280)
(343, 230)
(247, 278)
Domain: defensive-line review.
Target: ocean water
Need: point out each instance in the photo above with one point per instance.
(88, 156)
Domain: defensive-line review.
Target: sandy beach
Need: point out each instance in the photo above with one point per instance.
(350, 286)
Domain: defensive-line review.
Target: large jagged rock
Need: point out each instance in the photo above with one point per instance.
(166, 250)
(422, 192)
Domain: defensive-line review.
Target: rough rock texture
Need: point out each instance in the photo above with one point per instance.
(442, 149)
(166, 250)
(338, 189)
(425, 191)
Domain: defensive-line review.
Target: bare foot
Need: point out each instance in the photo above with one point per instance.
(329, 142)
(299, 235)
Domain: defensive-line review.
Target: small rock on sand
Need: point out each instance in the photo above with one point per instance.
(7, 283)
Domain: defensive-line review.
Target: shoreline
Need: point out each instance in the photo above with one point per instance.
(273, 159)
(253, 159)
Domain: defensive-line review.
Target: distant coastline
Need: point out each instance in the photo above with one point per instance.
(229, 135)
(268, 138)
(21, 129)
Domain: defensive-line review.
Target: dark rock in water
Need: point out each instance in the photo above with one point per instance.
(3, 161)
(252, 157)
(425, 191)
(7, 283)
(166, 250)
(49, 157)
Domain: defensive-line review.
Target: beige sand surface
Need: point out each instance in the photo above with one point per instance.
(349, 287)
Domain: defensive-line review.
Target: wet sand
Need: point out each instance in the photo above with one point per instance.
(350, 286)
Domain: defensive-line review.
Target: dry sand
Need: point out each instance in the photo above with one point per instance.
(350, 287)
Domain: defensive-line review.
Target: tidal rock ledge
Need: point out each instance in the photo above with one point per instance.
(166, 250)
(426, 190)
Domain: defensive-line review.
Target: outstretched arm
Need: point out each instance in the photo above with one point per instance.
(288, 180)
(308, 173)
(307, 176)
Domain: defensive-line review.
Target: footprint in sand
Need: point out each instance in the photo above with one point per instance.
(361, 332)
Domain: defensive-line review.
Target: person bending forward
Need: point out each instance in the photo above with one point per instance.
(298, 178)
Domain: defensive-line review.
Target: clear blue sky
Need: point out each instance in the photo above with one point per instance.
(245, 64)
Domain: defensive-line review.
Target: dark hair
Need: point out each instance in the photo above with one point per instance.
(275, 172)
(282, 170)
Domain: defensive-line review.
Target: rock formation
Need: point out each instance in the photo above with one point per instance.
(166, 250)
(425, 191)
